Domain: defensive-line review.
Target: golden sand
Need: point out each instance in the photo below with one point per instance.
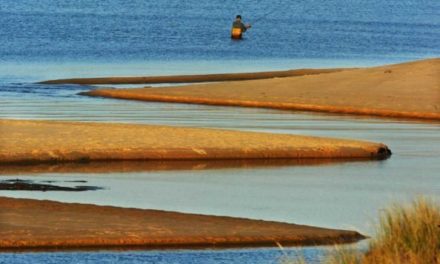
(49, 141)
(408, 90)
(32, 224)
(192, 78)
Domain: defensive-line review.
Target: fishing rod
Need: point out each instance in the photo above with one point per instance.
(236, 33)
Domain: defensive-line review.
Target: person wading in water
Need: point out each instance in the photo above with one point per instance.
(238, 28)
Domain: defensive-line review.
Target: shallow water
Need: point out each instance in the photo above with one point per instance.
(337, 194)
(61, 39)
(332, 194)
(243, 256)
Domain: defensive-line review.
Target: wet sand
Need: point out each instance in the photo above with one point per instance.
(49, 141)
(31, 225)
(124, 166)
(408, 90)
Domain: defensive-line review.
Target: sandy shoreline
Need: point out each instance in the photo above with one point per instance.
(31, 225)
(43, 225)
(192, 78)
(50, 141)
(408, 90)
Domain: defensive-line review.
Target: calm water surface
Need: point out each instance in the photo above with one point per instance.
(243, 256)
(138, 30)
(338, 195)
(60, 39)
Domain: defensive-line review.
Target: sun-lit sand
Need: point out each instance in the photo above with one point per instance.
(49, 141)
(31, 224)
(408, 90)
(193, 78)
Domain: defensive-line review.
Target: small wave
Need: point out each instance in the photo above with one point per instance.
(18, 89)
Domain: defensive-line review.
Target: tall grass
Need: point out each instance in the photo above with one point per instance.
(405, 235)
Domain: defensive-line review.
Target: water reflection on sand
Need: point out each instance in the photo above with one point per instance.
(333, 194)
(139, 166)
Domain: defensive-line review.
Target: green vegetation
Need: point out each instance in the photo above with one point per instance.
(405, 235)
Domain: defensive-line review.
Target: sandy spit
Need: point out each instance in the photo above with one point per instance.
(192, 78)
(25, 141)
(30, 224)
(408, 90)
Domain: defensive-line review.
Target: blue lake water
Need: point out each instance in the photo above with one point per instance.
(58, 39)
(243, 256)
(139, 30)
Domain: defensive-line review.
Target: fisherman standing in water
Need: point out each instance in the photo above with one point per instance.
(238, 28)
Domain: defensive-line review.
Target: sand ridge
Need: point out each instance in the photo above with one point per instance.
(25, 141)
(407, 90)
(221, 77)
(31, 224)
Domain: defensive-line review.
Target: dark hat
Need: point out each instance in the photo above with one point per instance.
(238, 16)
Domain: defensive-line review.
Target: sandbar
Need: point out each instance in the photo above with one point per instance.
(27, 141)
(221, 77)
(46, 225)
(407, 90)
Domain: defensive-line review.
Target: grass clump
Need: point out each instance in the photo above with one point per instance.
(405, 235)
